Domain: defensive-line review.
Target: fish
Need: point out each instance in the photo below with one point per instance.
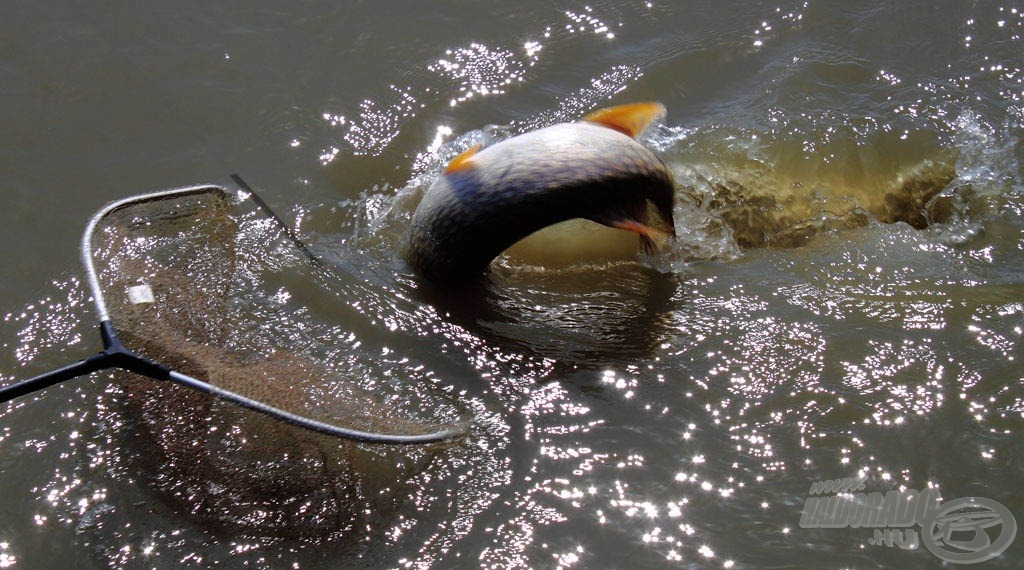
(487, 199)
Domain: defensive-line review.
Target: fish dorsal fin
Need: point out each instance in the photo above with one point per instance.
(462, 161)
(630, 119)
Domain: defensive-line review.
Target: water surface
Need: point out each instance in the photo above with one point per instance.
(845, 295)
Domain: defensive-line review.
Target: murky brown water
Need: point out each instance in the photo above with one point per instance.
(845, 295)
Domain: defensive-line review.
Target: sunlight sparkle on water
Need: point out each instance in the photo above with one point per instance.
(6, 558)
(581, 22)
(480, 70)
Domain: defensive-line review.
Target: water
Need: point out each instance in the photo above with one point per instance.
(845, 296)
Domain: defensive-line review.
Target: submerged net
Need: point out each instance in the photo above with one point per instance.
(195, 282)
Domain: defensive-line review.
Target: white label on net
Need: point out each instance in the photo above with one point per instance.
(141, 294)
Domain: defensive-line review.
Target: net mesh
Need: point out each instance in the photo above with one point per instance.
(183, 287)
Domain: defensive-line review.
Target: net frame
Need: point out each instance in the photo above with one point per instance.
(116, 355)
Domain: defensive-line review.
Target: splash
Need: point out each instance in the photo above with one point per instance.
(770, 192)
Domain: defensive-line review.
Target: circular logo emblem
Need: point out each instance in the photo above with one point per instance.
(964, 531)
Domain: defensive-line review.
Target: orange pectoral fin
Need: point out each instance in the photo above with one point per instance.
(462, 160)
(652, 239)
(630, 119)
